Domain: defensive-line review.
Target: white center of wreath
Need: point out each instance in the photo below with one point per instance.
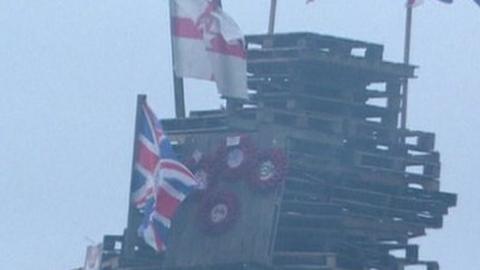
(235, 158)
(266, 170)
(201, 177)
(219, 212)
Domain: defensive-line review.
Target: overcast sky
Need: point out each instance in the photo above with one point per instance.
(70, 71)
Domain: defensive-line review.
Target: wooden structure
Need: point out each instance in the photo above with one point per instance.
(358, 187)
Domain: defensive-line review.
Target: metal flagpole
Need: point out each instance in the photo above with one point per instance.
(232, 104)
(406, 60)
(271, 22)
(177, 81)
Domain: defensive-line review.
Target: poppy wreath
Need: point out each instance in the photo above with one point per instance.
(218, 212)
(236, 158)
(270, 170)
(202, 168)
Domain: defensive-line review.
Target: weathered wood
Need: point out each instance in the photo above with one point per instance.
(408, 200)
(314, 258)
(252, 229)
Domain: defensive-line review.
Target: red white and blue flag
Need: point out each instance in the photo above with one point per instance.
(209, 45)
(160, 182)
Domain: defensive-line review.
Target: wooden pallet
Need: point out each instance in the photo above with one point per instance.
(318, 50)
(335, 45)
(355, 190)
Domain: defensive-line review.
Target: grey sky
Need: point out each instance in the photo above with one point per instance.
(70, 71)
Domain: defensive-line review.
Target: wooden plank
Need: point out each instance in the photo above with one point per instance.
(193, 125)
(308, 40)
(302, 233)
(304, 258)
(325, 64)
(304, 267)
(392, 214)
(409, 199)
(327, 107)
(321, 126)
(250, 238)
(329, 127)
(301, 120)
(426, 213)
(290, 206)
(354, 221)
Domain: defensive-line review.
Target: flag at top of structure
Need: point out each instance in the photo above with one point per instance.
(159, 181)
(416, 3)
(209, 45)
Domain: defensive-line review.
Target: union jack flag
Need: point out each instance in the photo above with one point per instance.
(160, 182)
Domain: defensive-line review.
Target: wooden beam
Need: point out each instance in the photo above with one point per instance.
(178, 86)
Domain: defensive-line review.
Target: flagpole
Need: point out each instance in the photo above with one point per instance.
(178, 85)
(271, 22)
(232, 104)
(131, 231)
(406, 60)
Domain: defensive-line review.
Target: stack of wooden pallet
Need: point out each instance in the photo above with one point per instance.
(359, 187)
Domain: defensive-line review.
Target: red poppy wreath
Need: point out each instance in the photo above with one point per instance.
(270, 170)
(218, 212)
